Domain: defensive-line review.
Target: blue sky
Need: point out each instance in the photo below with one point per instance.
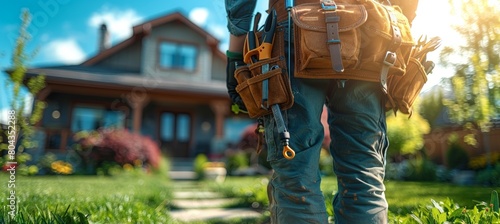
(65, 31)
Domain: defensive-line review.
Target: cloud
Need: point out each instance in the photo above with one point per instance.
(119, 22)
(4, 114)
(64, 50)
(218, 31)
(199, 16)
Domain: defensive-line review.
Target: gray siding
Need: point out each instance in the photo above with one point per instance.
(128, 58)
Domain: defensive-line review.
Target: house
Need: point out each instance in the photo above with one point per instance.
(167, 81)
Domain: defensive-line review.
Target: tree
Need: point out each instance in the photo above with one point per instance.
(431, 105)
(406, 135)
(476, 83)
(24, 122)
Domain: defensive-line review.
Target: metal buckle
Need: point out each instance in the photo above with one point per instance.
(331, 6)
(390, 58)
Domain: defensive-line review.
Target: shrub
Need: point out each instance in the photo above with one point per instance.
(237, 160)
(420, 169)
(120, 146)
(199, 163)
(449, 212)
(456, 156)
(489, 176)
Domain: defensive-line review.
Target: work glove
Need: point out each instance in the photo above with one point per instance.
(234, 60)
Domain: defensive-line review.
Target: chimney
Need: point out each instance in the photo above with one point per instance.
(104, 42)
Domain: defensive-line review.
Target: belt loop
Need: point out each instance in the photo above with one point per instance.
(341, 83)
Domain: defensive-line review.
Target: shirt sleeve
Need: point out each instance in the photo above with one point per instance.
(239, 15)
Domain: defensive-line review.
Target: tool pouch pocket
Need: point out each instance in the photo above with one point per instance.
(254, 87)
(404, 89)
(356, 37)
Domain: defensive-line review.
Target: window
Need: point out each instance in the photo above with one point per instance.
(179, 56)
(87, 118)
(175, 127)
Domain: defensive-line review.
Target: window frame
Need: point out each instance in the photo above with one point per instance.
(159, 55)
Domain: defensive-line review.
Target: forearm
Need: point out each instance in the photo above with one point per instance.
(236, 43)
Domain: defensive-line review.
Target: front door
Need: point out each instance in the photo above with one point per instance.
(175, 133)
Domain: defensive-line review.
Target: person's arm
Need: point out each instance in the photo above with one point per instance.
(236, 43)
(239, 16)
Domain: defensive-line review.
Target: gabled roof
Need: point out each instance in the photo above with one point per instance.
(144, 29)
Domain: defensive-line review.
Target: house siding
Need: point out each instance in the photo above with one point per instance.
(129, 58)
(176, 32)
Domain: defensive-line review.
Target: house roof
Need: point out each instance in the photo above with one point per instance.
(102, 77)
(144, 29)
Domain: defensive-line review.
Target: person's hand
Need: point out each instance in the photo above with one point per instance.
(233, 61)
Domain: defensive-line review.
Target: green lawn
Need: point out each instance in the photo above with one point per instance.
(123, 199)
(405, 196)
(145, 198)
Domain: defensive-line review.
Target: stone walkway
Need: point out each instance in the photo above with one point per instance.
(193, 203)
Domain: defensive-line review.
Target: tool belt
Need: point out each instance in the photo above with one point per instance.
(260, 90)
(263, 84)
(362, 40)
(252, 90)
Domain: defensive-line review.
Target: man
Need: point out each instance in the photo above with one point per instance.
(358, 139)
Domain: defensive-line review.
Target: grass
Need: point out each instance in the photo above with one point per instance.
(145, 198)
(406, 196)
(402, 197)
(83, 199)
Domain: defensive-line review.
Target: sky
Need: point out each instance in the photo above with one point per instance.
(66, 31)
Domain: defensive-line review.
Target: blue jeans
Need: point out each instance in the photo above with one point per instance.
(356, 116)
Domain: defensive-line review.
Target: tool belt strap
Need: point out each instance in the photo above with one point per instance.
(390, 56)
(332, 31)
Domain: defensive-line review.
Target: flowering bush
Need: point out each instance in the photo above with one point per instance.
(120, 146)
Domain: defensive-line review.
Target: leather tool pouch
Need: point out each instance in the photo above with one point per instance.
(403, 90)
(351, 43)
(252, 86)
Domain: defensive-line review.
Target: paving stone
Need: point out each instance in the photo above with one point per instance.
(189, 215)
(195, 202)
(203, 203)
(196, 195)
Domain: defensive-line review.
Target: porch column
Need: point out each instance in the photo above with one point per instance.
(42, 97)
(221, 109)
(43, 94)
(137, 104)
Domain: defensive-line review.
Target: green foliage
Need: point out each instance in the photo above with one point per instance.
(405, 134)
(449, 212)
(24, 122)
(495, 204)
(89, 199)
(237, 161)
(199, 165)
(431, 105)
(489, 176)
(476, 83)
(57, 216)
(456, 156)
(421, 169)
(251, 191)
(326, 162)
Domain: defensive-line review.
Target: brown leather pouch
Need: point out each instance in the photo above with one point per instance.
(254, 86)
(357, 37)
(403, 90)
